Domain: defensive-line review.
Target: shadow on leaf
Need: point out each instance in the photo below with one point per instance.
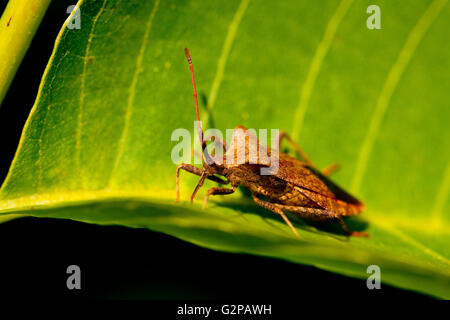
(331, 227)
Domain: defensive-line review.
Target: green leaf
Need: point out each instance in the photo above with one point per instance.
(97, 145)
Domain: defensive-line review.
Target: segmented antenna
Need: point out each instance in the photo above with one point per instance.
(200, 131)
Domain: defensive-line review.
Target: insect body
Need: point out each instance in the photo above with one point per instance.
(297, 186)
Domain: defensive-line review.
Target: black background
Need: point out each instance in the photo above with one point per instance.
(118, 262)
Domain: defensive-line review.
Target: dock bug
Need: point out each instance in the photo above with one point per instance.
(296, 185)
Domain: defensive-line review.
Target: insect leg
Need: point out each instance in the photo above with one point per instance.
(326, 172)
(351, 233)
(317, 214)
(217, 191)
(301, 153)
(272, 207)
(308, 212)
(330, 169)
(195, 170)
(199, 185)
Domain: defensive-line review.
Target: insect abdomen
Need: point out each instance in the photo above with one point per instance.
(339, 206)
(290, 196)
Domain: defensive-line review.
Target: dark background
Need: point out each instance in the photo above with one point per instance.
(134, 263)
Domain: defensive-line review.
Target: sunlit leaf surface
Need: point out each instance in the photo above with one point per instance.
(97, 145)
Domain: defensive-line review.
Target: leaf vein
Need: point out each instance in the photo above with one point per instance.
(316, 64)
(44, 124)
(82, 93)
(392, 80)
(441, 198)
(413, 242)
(132, 91)
(222, 62)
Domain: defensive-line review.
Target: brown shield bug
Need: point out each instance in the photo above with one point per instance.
(297, 186)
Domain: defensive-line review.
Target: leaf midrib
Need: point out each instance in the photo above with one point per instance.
(61, 199)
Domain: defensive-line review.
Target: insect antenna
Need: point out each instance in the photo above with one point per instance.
(206, 157)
